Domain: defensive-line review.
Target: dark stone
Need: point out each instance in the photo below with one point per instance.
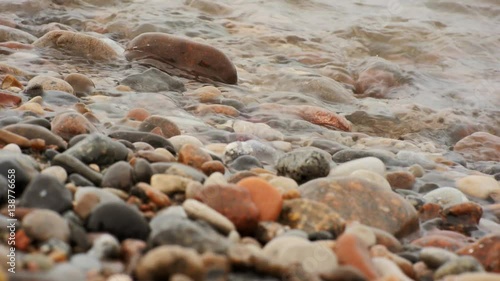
(185, 171)
(73, 165)
(119, 220)
(9, 120)
(99, 149)
(46, 192)
(78, 239)
(303, 166)
(154, 140)
(119, 176)
(245, 162)
(51, 153)
(153, 80)
(4, 189)
(143, 171)
(352, 154)
(30, 131)
(80, 180)
(76, 139)
(320, 235)
(168, 128)
(59, 98)
(24, 166)
(38, 121)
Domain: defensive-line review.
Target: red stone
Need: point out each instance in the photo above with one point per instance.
(265, 196)
(439, 241)
(486, 250)
(233, 202)
(463, 217)
(139, 114)
(9, 100)
(352, 251)
(213, 166)
(193, 156)
(70, 124)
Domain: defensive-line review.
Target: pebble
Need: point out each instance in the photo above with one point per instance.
(179, 140)
(25, 168)
(417, 170)
(56, 171)
(479, 146)
(119, 175)
(12, 147)
(185, 171)
(9, 100)
(99, 149)
(355, 199)
(193, 156)
(166, 261)
(363, 232)
(73, 165)
(31, 132)
(138, 114)
(81, 84)
(445, 196)
(245, 162)
(459, 265)
(266, 197)
(70, 124)
(352, 251)
(486, 250)
(235, 150)
(43, 225)
(215, 178)
(169, 184)
(155, 140)
(311, 216)
(119, 220)
(184, 54)
(153, 80)
(207, 94)
(478, 186)
(462, 218)
(404, 267)
(46, 192)
(303, 166)
(197, 210)
(12, 34)
(389, 269)
(260, 130)
(167, 128)
(435, 257)
(105, 246)
(400, 179)
(349, 154)
(14, 139)
(77, 44)
(368, 163)
(85, 204)
(439, 241)
(211, 167)
(50, 83)
(233, 202)
(372, 177)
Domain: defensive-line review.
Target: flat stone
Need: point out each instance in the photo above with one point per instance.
(479, 146)
(153, 80)
(73, 165)
(42, 225)
(169, 183)
(198, 210)
(30, 131)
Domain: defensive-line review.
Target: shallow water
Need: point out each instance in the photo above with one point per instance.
(442, 58)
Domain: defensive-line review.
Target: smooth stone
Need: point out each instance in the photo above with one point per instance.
(12, 147)
(435, 257)
(414, 158)
(179, 140)
(185, 171)
(352, 251)
(30, 131)
(311, 216)
(475, 276)
(105, 247)
(119, 175)
(265, 196)
(193, 156)
(368, 163)
(356, 199)
(213, 167)
(73, 165)
(372, 177)
(119, 220)
(81, 83)
(66, 271)
(46, 192)
(260, 130)
(283, 184)
(457, 266)
(60, 98)
(24, 166)
(56, 171)
(233, 202)
(70, 124)
(103, 195)
(167, 128)
(138, 114)
(389, 269)
(417, 170)
(350, 154)
(42, 225)
(245, 162)
(235, 150)
(478, 186)
(183, 54)
(166, 261)
(8, 34)
(77, 44)
(84, 206)
(9, 100)
(303, 166)
(363, 232)
(486, 250)
(10, 138)
(155, 140)
(400, 179)
(169, 183)
(440, 241)
(99, 149)
(176, 230)
(198, 210)
(142, 170)
(215, 178)
(479, 146)
(51, 83)
(79, 180)
(462, 218)
(445, 196)
(153, 80)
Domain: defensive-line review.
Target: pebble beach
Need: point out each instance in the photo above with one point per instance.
(199, 140)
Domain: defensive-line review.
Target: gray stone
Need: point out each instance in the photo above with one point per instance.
(46, 192)
(153, 80)
(303, 166)
(99, 149)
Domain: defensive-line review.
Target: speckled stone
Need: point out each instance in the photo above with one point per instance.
(486, 250)
(303, 166)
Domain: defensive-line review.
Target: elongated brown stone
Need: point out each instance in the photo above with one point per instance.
(171, 53)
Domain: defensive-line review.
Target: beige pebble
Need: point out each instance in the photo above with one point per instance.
(198, 210)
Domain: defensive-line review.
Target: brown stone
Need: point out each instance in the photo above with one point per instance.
(265, 196)
(11, 81)
(323, 117)
(352, 251)
(205, 109)
(463, 217)
(157, 197)
(429, 211)
(183, 57)
(161, 124)
(480, 146)
(233, 202)
(80, 83)
(70, 124)
(31, 132)
(311, 216)
(51, 83)
(400, 179)
(193, 156)
(139, 114)
(213, 166)
(486, 250)
(9, 100)
(357, 199)
(85, 204)
(9, 137)
(439, 241)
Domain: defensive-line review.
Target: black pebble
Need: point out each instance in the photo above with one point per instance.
(46, 192)
(80, 180)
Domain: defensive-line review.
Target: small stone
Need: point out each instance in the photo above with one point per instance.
(164, 262)
(462, 218)
(363, 232)
(402, 265)
(233, 202)
(153, 80)
(31, 132)
(119, 176)
(352, 251)
(486, 250)
(345, 273)
(119, 220)
(417, 170)
(186, 171)
(245, 162)
(142, 170)
(73, 165)
(81, 84)
(169, 184)
(435, 257)
(478, 186)
(207, 94)
(457, 266)
(267, 198)
(179, 140)
(439, 241)
(167, 128)
(86, 203)
(445, 196)
(58, 172)
(303, 166)
(400, 179)
(70, 124)
(159, 199)
(99, 149)
(476, 276)
(198, 210)
(215, 178)
(389, 270)
(51, 83)
(372, 177)
(105, 246)
(213, 166)
(156, 141)
(479, 146)
(9, 100)
(139, 114)
(368, 163)
(12, 147)
(42, 225)
(46, 192)
(284, 184)
(193, 156)
(235, 150)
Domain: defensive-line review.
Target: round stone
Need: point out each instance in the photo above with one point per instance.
(43, 225)
(303, 166)
(445, 196)
(193, 156)
(266, 197)
(478, 186)
(368, 163)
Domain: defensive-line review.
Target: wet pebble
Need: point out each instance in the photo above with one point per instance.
(46, 192)
(154, 140)
(486, 250)
(445, 196)
(479, 146)
(265, 196)
(142, 170)
(42, 225)
(9, 100)
(70, 124)
(372, 177)
(193, 156)
(169, 183)
(197, 210)
(303, 166)
(119, 175)
(478, 186)
(459, 265)
(99, 149)
(51, 83)
(236, 149)
(245, 163)
(185, 171)
(153, 80)
(31, 132)
(12, 34)
(167, 128)
(368, 163)
(352, 251)
(400, 179)
(73, 165)
(435, 257)
(56, 171)
(81, 84)
(211, 167)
